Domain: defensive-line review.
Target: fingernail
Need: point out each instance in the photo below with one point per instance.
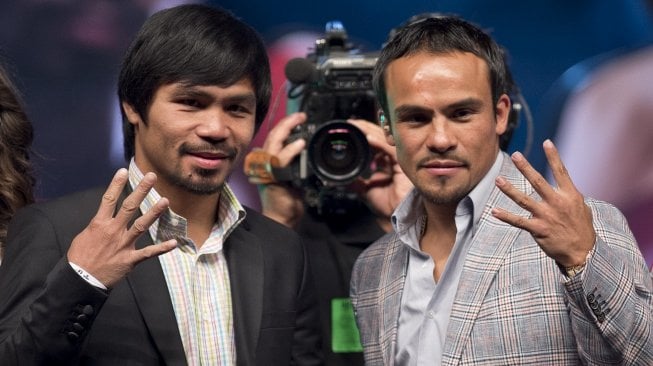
(517, 155)
(500, 181)
(548, 143)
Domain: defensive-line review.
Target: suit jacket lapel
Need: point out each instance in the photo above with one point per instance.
(245, 262)
(150, 290)
(153, 299)
(393, 277)
(486, 255)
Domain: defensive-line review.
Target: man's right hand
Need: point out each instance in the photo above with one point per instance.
(106, 247)
(280, 201)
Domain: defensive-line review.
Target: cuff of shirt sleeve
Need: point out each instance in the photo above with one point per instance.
(87, 276)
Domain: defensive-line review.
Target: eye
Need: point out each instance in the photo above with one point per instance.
(239, 109)
(190, 102)
(462, 114)
(415, 118)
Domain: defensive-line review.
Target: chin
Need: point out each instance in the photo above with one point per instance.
(200, 184)
(444, 195)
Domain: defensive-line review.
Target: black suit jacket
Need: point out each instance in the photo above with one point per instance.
(49, 315)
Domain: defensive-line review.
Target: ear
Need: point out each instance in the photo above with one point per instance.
(385, 124)
(132, 116)
(501, 114)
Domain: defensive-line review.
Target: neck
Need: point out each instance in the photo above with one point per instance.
(384, 223)
(439, 235)
(200, 212)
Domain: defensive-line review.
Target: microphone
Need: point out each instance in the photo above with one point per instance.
(300, 71)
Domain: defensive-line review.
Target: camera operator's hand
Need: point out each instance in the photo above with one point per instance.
(387, 185)
(280, 201)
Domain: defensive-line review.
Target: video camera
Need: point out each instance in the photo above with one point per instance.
(332, 84)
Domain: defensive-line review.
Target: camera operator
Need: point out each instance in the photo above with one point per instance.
(335, 238)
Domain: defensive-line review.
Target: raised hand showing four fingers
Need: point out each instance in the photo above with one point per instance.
(106, 247)
(560, 222)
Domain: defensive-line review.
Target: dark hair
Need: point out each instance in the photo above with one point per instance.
(16, 135)
(442, 34)
(197, 45)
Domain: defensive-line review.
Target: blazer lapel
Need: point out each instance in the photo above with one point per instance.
(153, 299)
(245, 262)
(393, 277)
(149, 287)
(486, 255)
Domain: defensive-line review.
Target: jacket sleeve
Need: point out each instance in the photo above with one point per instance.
(611, 301)
(45, 307)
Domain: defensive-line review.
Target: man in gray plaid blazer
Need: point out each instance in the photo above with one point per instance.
(489, 264)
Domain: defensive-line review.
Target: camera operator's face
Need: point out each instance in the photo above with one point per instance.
(443, 122)
(194, 135)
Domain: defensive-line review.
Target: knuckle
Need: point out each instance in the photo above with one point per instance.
(562, 170)
(129, 206)
(539, 182)
(142, 188)
(109, 197)
(520, 221)
(139, 227)
(95, 224)
(522, 202)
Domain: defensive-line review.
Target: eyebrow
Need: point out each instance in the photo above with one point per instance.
(243, 98)
(473, 103)
(407, 110)
(194, 91)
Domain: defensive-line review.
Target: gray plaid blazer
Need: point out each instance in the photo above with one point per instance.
(513, 305)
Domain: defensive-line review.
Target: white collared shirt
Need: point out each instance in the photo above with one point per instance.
(198, 279)
(425, 304)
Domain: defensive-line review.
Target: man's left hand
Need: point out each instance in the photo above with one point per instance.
(560, 222)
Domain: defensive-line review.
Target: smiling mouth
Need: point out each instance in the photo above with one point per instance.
(210, 155)
(210, 161)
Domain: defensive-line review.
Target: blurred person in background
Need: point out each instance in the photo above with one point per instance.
(605, 134)
(16, 176)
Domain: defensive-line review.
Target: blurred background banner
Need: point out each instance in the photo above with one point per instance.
(65, 55)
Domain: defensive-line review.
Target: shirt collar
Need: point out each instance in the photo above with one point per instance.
(231, 212)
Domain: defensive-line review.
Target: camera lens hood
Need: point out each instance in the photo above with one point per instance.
(338, 152)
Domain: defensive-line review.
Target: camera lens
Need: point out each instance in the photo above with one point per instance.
(338, 152)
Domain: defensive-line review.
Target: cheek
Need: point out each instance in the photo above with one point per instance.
(404, 155)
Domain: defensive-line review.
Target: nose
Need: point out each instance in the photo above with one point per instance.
(213, 125)
(442, 137)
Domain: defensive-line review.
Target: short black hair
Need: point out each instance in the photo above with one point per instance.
(194, 44)
(439, 34)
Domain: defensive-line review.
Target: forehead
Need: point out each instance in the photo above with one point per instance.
(242, 88)
(443, 74)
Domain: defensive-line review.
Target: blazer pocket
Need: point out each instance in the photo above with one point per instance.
(278, 319)
(499, 302)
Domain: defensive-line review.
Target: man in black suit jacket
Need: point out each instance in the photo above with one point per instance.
(170, 269)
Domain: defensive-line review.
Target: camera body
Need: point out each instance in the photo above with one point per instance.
(332, 84)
